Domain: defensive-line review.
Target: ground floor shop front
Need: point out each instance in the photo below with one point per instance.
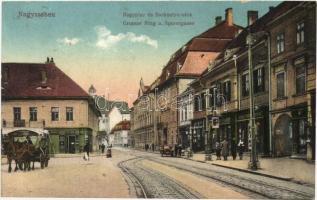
(199, 135)
(292, 132)
(262, 131)
(70, 140)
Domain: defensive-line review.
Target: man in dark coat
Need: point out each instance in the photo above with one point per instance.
(28, 140)
(225, 150)
(103, 148)
(218, 150)
(86, 149)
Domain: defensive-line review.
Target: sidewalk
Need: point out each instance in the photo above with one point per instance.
(59, 155)
(281, 168)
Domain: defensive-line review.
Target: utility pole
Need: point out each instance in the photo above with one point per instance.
(207, 133)
(155, 121)
(253, 163)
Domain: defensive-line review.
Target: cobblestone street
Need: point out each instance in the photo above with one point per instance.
(68, 177)
(131, 173)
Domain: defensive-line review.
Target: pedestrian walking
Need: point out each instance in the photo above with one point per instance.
(218, 150)
(234, 150)
(180, 148)
(146, 147)
(240, 148)
(152, 146)
(224, 145)
(103, 148)
(86, 150)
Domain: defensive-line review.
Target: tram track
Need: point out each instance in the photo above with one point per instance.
(134, 181)
(149, 183)
(252, 185)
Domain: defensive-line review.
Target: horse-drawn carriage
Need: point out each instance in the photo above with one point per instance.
(24, 147)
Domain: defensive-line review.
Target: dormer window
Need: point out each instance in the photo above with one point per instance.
(179, 66)
(227, 54)
(211, 65)
(44, 87)
(167, 74)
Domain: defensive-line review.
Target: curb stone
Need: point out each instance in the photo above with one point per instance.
(254, 172)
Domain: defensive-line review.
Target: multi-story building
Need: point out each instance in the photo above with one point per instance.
(226, 84)
(121, 132)
(201, 90)
(293, 77)
(185, 109)
(185, 65)
(142, 123)
(283, 79)
(40, 97)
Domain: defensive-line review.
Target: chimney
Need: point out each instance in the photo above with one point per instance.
(52, 60)
(271, 8)
(229, 16)
(217, 20)
(252, 16)
(47, 60)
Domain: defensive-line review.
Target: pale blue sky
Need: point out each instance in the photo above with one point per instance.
(117, 62)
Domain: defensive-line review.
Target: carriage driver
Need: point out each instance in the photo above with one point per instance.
(28, 139)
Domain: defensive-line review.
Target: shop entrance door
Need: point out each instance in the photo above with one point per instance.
(71, 144)
(165, 136)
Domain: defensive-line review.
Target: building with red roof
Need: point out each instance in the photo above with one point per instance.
(40, 97)
(185, 65)
(120, 133)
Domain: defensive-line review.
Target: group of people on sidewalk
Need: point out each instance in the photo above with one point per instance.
(222, 148)
(149, 146)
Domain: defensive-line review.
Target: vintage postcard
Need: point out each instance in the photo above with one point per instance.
(158, 99)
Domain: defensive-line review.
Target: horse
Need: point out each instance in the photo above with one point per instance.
(17, 151)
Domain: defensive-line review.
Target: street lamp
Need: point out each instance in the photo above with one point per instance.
(214, 125)
(253, 163)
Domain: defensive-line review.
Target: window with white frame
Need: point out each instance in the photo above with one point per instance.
(245, 84)
(69, 114)
(33, 113)
(197, 103)
(300, 71)
(210, 98)
(280, 42)
(55, 113)
(300, 33)
(16, 113)
(227, 90)
(280, 84)
(203, 101)
(185, 112)
(258, 80)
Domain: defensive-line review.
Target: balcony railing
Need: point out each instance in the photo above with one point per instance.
(19, 123)
(23, 123)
